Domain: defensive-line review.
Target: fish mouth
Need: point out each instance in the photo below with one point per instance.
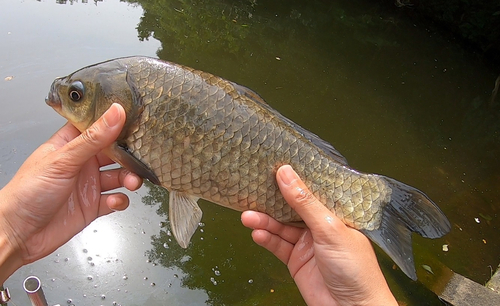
(52, 98)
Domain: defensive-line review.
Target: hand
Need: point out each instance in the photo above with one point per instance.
(331, 263)
(58, 191)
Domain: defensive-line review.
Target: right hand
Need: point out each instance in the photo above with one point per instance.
(331, 263)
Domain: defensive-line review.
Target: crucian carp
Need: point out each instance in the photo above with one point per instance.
(201, 136)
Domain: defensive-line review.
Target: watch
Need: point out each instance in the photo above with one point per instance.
(4, 295)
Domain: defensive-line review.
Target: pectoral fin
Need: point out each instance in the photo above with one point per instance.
(122, 156)
(184, 214)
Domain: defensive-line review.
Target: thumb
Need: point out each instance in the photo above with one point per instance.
(314, 213)
(98, 136)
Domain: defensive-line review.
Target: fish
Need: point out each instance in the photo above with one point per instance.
(201, 136)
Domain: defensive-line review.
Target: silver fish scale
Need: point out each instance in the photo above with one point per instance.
(201, 137)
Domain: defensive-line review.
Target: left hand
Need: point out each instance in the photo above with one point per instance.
(57, 192)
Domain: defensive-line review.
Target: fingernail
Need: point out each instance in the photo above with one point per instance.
(287, 175)
(112, 116)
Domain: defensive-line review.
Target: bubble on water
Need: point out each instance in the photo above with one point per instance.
(185, 258)
(84, 295)
(202, 238)
(125, 277)
(176, 276)
(66, 259)
(153, 284)
(213, 281)
(217, 273)
(250, 281)
(145, 278)
(201, 224)
(103, 296)
(85, 251)
(91, 263)
(53, 279)
(95, 231)
(148, 260)
(169, 233)
(165, 245)
(69, 301)
(201, 230)
(115, 303)
(90, 277)
(89, 258)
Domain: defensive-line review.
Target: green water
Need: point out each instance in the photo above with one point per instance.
(393, 95)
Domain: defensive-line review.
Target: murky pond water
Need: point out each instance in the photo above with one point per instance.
(393, 96)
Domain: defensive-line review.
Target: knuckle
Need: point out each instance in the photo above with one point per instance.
(304, 197)
(91, 135)
(122, 175)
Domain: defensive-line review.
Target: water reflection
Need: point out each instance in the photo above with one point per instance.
(351, 72)
(230, 269)
(75, 1)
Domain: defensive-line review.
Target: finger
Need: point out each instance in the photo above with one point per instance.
(297, 195)
(274, 244)
(257, 220)
(132, 181)
(65, 134)
(112, 202)
(303, 252)
(116, 178)
(97, 137)
(104, 160)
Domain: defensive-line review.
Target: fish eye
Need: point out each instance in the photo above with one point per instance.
(76, 91)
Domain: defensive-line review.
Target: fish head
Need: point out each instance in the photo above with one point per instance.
(83, 96)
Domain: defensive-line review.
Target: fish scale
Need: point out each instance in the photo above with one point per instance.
(218, 128)
(201, 136)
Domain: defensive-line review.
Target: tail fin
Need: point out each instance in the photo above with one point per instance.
(409, 210)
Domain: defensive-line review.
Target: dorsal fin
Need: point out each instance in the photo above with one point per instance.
(320, 143)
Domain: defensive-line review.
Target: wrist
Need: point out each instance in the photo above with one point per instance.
(384, 297)
(10, 258)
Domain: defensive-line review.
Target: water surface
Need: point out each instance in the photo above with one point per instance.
(392, 95)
